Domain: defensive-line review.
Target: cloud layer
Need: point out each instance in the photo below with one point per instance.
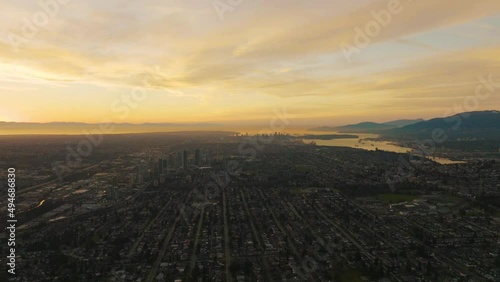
(261, 55)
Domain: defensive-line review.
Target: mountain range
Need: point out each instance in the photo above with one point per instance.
(8, 128)
(369, 126)
(467, 125)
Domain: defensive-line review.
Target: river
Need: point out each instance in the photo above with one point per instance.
(362, 143)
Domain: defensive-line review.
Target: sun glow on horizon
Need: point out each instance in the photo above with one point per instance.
(184, 63)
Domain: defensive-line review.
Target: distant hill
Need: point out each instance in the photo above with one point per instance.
(7, 128)
(323, 128)
(330, 136)
(470, 125)
(402, 122)
(61, 123)
(369, 127)
(364, 127)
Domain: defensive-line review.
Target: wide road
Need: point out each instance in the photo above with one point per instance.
(285, 232)
(196, 242)
(137, 242)
(256, 236)
(227, 250)
(154, 269)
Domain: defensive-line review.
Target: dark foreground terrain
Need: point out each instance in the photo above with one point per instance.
(224, 207)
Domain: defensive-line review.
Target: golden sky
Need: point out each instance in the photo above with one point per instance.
(213, 61)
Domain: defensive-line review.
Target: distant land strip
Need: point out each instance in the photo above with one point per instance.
(329, 136)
